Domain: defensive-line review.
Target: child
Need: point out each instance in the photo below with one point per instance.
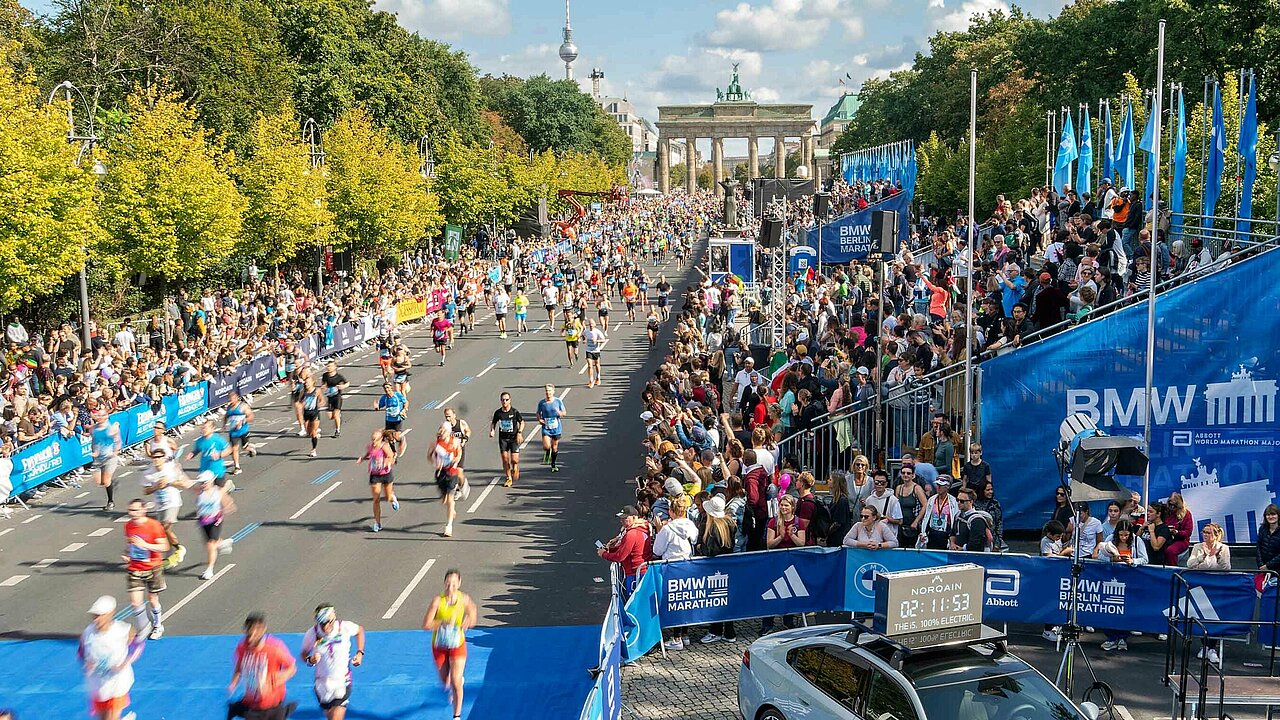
(1051, 546)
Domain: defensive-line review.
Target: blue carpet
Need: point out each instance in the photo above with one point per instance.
(524, 672)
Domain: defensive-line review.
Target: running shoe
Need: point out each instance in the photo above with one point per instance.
(448, 530)
(180, 553)
(466, 490)
(109, 506)
(555, 468)
(207, 574)
(236, 470)
(507, 483)
(395, 505)
(157, 632)
(377, 527)
(302, 432)
(311, 454)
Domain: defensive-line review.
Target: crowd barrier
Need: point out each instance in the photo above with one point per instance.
(1018, 589)
(41, 461)
(604, 702)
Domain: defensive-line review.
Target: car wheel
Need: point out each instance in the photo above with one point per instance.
(770, 713)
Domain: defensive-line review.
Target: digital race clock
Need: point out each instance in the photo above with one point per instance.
(912, 601)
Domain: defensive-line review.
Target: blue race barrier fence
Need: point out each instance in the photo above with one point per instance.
(1019, 589)
(849, 237)
(605, 699)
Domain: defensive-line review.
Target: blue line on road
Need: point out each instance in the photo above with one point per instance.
(326, 477)
(429, 405)
(244, 531)
(465, 380)
(492, 360)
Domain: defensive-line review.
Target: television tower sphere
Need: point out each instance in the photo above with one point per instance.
(568, 51)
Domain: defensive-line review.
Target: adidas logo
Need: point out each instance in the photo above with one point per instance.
(787, 586)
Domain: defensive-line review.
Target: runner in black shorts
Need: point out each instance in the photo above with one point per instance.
(334, 384)
(311, 412)
(508, 425)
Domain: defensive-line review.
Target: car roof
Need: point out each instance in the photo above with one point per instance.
(960, 665)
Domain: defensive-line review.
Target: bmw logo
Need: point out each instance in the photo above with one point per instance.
(865, 578)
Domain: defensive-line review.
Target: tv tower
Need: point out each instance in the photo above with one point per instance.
(568, 51)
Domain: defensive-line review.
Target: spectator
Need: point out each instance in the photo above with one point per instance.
(675, 541)
(884, 501)
(911, 501)
(1051, 546)
(1088, 531)
(1113, 518)
(1156, 532)
(941, 511)
(1062, 510)
(986, 501)
(842, 510)
(870, 533)
(1127, 548)
(972, 529)
(1178, 517)
(1211, 553)
(717, 539)
(975, 472)
(629, 548)
(939, 446)
(1268, 546)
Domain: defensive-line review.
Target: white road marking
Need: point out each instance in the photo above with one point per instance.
(33, 518)
(487, 369)
(566, 392)
(584, 369)
(488, 489)
(529, 439)
(168, 614)
(404, 594)
(100, 532)
(83, 494)
(317, 499)
(44, 563)
(445, 403)
(73, 547)
(513, 347)
(13, 580)
(121, 519)
(5, 531)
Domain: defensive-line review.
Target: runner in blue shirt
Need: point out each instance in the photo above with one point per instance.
(550, 413)
(212, 449)
(394, 404)
(236, 421)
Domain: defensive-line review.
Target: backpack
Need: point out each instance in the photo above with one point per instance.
(819, 521)
(712, 395)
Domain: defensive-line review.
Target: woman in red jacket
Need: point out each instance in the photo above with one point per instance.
(1178, 518)
(630, 548)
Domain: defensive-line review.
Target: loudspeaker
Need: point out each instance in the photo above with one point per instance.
(821, 204)
(770, 233)
(884, 231)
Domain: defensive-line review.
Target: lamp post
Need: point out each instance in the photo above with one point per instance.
(1273, 162)
(427, 169)
(87, 141)
(315, 155)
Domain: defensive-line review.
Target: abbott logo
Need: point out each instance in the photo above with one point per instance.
(1002, 587)
(789, 585)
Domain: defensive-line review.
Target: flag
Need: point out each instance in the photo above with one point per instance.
(912, 171)
(1179, 159)
(1146, 145)
(1109, 150)
(1124, 149)
(1066, 153)
(1247, 146)
(1084, 171)
(1217, 158)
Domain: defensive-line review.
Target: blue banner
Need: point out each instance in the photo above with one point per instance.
(641, 626)
(1214, 424)
(187, 403)
(849, 237)
(46, 459)
(136, 422)
(751, 585)
(247, 378)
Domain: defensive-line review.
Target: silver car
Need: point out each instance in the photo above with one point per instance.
(827, 672)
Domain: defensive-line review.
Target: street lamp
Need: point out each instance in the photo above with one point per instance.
(1273, 162)
(814, 137)
(87, 141)
(427, 169)
(315, 155)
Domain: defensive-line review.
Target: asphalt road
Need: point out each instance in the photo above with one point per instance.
(302, 529)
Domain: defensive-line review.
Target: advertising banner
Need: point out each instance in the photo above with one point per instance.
(1215, 427)
(247, 378)
(136, 422)
(849, 236)
(452, 241)
(411, 309)
(46, 459)
(752, 585)
(187, 403)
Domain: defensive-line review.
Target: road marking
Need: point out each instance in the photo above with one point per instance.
(445, 402)
(540, 327)
(487, 369)
(5, 531)
(465, 380)
(168, 614)
(121, 519)
(404, 594)
(73, 547)
(513, 347)
(100, 532)
(243, 532)
(429, 405)
(13, 580)
(584, 369)
(317, 499)
(488, 489)
(324, 478)
(44, 563)
(527, 440)
(86, 492)
(33, 518)
(566, 392)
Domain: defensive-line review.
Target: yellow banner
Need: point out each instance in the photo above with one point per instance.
(412, 309)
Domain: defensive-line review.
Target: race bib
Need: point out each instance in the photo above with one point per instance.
(506, 425)
(552, 424)
(449, 636)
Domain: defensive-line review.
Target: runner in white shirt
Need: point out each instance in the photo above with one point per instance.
(550, 294)
(595, 341)
(165, 482)
(327, 648)
(108, 648)
(501, 303)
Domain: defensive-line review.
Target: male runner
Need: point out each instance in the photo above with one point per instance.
(334, 384)
(508, 425)
(462, 432)
(520, 303)
(664, 291)
(501, 302)
(107, 651)
(300, 389)
(212, 450)
(550, 294)
(381, 457)
(311, 412)
(165, 483)
(386, 353)
(327, 647)
(105, 445)
(550, 413)
(236, 422)
(595, 343)
(266, 665)
(572, 332)
(400, 365)
(441, 335)
(161, 444)
(395, 406)
(448, 618)
(629, 293)
(145, 546)
(652, 326)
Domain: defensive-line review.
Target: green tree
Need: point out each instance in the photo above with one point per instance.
(379, 201)
(556, 115)
(47, 215)
(474, 183)
(287, 212)
(168, 204)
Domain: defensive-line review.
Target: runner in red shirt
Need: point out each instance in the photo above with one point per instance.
(266, 665)
(146, 542)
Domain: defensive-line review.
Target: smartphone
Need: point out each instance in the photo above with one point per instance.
(599, 545)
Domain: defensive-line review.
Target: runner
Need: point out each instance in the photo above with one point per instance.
(265, 665)
(212, 505)
(161, 444)
(629, 293)
(572, 332)
(642, 296)
(381, 459)
(395, 406)
(521, 306)
(451, 614)
(442, 334)
(236, 422)
(446, 456)
(400, 365)
(501, 302)
(566, 302)
(105, 444)
(386, 353)
(334, 384)
(212, 450)
(145, 546)
(664, 292)
(462, 431)
(603, 306)
(508, 424)
(166, 481)
(327, 647)
(469, 303)
(550, 295)
(299, 391)
(653, 325)
(108, 648)
(595, 343)
(311, 412)
(451, 315)
(550, 413)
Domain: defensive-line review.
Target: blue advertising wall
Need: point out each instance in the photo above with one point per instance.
(1215, 431)
(849, 237)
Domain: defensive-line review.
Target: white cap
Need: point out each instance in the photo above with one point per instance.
(646, 416)
(104, 605)
(205, 477)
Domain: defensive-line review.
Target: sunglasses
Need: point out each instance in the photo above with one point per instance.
(867, 516)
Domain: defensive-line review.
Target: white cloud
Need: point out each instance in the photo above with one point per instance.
(451, 18)
(853, 29)
(780, 25)
(958, 19)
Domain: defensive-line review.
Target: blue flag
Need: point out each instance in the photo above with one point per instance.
(1125, 150)
(1179, 159)
(1217, 158)
(1248, 149)
(1146, 145)
(912, 171)
(1066, 153)
(1084, 171)
(1109, 150)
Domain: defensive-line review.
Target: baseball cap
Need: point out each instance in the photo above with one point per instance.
(863, 370)
(749, 360)
(104, 605)
(802, 350)
(943, 481)
(629, 511)
(646, 416)
(1045, 277)
(666, 447)
(699, 435)
(673, 487)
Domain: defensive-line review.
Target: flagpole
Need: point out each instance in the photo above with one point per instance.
(1204, 138)
(1048, 143)
(968, 297)
(1239, 124)
(1097, 178)
(1149, 410)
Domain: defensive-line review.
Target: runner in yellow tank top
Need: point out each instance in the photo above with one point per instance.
(451, 614)
(572, 333)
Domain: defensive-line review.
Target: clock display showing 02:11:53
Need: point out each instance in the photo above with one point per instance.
(934, 605)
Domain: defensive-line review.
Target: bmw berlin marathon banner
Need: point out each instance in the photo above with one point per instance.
(1215, 436)
(849, 237)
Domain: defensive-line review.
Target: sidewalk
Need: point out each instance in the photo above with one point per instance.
(698, 683)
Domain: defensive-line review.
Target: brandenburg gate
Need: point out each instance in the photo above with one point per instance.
(733, 115)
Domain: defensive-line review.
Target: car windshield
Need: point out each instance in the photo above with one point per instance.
(1024, 695)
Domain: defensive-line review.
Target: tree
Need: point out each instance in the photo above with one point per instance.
(168, 204)
(679, 175)
(286, 212)
(556, 115)
(47, 215)
(379, 201)
(475, 185)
